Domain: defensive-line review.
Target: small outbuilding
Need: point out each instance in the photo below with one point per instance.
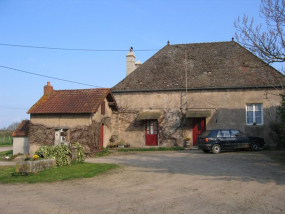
(21, 138)
(70, 116)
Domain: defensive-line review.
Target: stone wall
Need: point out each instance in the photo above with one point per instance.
(34, 166)
(40, 135)
(227, 107)
(87, 136)
(173, 128)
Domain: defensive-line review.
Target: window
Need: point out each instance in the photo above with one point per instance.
(61, 136)
(235, 133)
(224, 133)
(103, 108)
(254, 114)
(151, 127)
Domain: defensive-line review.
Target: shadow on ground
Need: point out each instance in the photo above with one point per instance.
(242, 166)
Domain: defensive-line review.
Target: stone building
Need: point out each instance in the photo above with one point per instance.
(21, 138)
(69, 116)
(186, 88)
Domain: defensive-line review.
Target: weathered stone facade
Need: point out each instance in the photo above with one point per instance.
(82, 128)
(227, 107)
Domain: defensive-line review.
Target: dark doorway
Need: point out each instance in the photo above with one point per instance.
(199, 126)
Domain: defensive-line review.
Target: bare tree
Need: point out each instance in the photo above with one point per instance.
(268, 44)
(13, 126)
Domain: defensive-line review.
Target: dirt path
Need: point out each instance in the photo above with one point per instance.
(161, 182)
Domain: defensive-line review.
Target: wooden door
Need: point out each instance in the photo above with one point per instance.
(102, 137)
(199, 126)
(151, 133)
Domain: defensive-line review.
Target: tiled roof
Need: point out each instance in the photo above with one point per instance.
(22, 130)
(209, 65)
(72, 101)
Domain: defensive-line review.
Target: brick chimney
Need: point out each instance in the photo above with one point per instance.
(48, 89)
(130, 61)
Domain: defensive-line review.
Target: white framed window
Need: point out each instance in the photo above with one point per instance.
(254, 114)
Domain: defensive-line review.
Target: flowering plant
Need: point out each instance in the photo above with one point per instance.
(35, 157)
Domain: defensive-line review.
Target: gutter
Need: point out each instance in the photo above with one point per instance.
(196, 89)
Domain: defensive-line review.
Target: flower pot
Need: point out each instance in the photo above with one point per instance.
(187, 144)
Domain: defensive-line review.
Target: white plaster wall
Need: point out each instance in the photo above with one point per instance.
(69, 120)
(20, 145)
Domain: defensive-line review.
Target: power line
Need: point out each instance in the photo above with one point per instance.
(27, 72)
(70, 49)
(7, 107)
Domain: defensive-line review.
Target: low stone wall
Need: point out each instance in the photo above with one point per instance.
(34, 166)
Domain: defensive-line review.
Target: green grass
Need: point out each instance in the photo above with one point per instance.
(105, 152)
(177, 148)
(83, 170)
(5, 142)
(6, 153)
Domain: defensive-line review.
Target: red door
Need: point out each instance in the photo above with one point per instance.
(199, 126)
(151, 133)
(102, 137)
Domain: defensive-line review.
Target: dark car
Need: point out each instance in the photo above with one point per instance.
(227, 139)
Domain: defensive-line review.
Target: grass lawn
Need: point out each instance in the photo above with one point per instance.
(105, 152)
(6, 153)
(177, 148)
(83, 170)
(6, 142)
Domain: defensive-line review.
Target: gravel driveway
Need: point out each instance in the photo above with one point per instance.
(161, 182)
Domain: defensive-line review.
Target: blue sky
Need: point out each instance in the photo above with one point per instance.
(100, 25)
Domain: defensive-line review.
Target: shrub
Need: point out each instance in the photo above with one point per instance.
(80, 157)
(60, 153)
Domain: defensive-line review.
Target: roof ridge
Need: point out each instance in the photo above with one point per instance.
(83, 89)
(199, 43)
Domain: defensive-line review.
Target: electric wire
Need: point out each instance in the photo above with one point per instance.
(70, 49)
(8, 107)
(27, 72)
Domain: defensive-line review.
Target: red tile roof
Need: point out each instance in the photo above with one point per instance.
(72, 101)
(22, 130)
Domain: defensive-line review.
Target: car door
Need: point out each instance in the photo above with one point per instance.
(245, 144)
(236, 138)
(225, 140)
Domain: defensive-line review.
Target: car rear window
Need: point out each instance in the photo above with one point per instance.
(204, 134)
(213, 133)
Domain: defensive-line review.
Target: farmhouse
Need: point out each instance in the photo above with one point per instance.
(184, 89)
(69, 116)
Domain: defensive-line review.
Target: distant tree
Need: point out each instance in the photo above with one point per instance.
(268, 44)
(4, 128)
(13, 126)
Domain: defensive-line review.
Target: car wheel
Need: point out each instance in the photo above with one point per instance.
(206, 151)
(255, 146)
(216, 148)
